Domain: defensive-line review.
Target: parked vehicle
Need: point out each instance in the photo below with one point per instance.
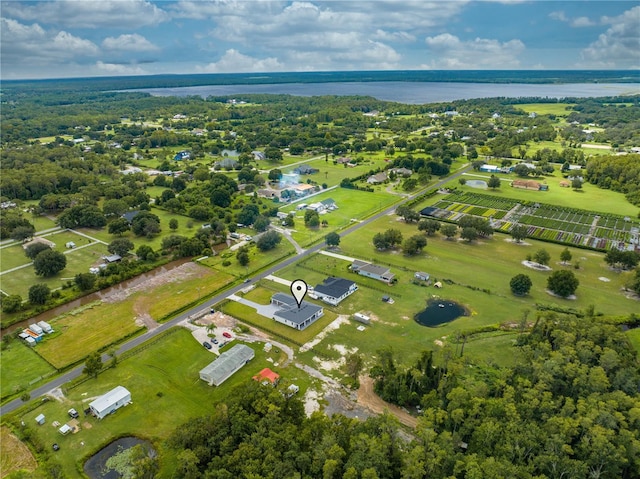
(227, 335)
(207, 344)
(73, 413)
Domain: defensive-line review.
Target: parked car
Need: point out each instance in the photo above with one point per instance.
(222, 344)
(227, 335)
(73, 413)
(247, 280)
(207, 344)
(214, 341)
(56, 447)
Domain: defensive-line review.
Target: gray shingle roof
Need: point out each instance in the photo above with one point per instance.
(334, 287)
(291, 312)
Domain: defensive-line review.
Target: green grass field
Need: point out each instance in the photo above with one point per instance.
(95, 326)
(20, 366)
(166, 391)
(78, 261)
(634, 338)
(557, 109)
(351, 204)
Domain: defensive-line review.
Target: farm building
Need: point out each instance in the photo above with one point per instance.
(293, 316)
(267, 376)
(110, 402)
(226, 365)
(40, 419)
(489, 169)
(421, 276)
(46, 327)
(369, 270)
(114, 258)
(529, 185)
(329, 204)
(334, 290)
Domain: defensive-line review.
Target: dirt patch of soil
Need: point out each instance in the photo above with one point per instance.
(335, 324)
(329, 365)
(15, 454)
(311, 403)
(370, 400)
(180, 273)
(603, 279)
(143, 318)
(536, 266)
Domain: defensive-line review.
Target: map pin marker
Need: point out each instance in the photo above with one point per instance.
(299, 290)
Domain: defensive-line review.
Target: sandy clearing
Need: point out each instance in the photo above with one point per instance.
(335, 324)
(536, 266)
(369, 399)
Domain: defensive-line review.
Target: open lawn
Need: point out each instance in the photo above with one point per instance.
(99, 324)
(351, 204)
(91, 328)
(166, 391)
(20, 367)
(557, 109)
(634, 337)
(78, 261)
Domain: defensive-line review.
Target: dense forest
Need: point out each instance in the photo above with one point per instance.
(568, 409)
(618, 173)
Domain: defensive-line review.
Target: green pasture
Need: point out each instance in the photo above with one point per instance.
(351, 204)
(491, 263)
(590, 197)
(12, 257)
(78, 261)
(333, 174)
(99, 324)
(20, 367)
(166, 392)
(85, 330)
(102, 234)
(41, 223)
(557, 109)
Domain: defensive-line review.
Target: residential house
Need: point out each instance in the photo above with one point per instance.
(377, 178)
(421, 276)
(129, 215)
(329, 204)
(226, 365)
(405, 172)
(381, 273)
(302, 189)
(305, 170)
(292, 315)
(259, 155)
(182, 155)
(333, 290)
(268, 193)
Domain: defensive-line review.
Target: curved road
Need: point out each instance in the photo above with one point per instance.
(137, 341)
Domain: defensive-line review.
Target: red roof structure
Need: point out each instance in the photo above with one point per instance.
(267, 375)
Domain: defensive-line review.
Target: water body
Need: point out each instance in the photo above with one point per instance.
(440, 311)
(94, 467)
(409, 92)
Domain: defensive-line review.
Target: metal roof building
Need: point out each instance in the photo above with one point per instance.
(110, 401)
(292, 315)
(226, 364)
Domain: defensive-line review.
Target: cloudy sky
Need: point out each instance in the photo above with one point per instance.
(79, 38)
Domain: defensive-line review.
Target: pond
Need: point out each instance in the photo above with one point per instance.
(480, 184)
(95, 465)
(440, 311)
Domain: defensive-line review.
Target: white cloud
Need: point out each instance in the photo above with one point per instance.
(31, 43)
(451, 52)
(577, 22)
(119, 69)
(89, 13)
(619, 46)
(399, 37)
(129, 42)
(234, 61)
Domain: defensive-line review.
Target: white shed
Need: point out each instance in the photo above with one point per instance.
(40, 419)
(65, 429)
(110, 402)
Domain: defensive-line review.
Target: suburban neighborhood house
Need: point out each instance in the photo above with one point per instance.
(369, 270)
(334, 290)
(226, 365)
(293, 316)
(377, 178)
(110, 402)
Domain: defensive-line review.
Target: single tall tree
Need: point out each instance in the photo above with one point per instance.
(49, 263)
(563, 283)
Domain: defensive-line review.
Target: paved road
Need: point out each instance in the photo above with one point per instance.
(77, 371)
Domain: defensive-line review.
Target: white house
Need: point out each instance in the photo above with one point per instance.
(333, 290)
(110, 402)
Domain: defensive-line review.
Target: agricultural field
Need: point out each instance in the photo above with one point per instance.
(555, 223)
(14, 454)
(162, 377)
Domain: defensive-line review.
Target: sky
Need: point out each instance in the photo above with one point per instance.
(83, 38)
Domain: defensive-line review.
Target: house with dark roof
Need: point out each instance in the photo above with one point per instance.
(381, 273)
(259, 155)
(305, 170)
(129, 215)
(329, 204)
(182, 155)
(334, 290)
(293, 316)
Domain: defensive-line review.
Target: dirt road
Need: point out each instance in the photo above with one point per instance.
(369, 399)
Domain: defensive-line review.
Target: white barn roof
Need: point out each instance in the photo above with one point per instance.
(109, 398)
(227, 364)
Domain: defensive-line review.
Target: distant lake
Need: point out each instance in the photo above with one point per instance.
(410, 92)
